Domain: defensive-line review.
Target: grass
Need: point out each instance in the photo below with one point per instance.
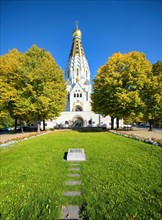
(121, 178)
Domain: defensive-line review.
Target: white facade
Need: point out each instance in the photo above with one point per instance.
(78, 108)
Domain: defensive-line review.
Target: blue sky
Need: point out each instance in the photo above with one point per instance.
(107, 27)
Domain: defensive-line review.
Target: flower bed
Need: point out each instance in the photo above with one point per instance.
(14, 140)
(154, 141)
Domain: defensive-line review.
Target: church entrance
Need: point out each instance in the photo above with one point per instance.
(78, 121)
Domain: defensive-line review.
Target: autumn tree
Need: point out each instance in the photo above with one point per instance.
(157, 68)
(34, 89)
(117, 85)
(12, 103)
(44, 85)
(152, 95)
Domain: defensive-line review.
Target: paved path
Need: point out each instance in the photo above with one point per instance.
(14, 136)
(72, 211)
(143, 132)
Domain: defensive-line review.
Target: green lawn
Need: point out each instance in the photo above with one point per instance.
(121, 178)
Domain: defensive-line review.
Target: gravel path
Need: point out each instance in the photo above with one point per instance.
(143, 132)
(10, 136)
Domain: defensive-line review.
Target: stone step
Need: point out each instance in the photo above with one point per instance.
(70, 182)
(74, 174)
(74, 168)
(70, 212)
(72, 193)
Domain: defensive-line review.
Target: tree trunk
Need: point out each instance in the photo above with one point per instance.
(38, 127)
(15, 124)
(44, 125)
(117, 123)
(150, 125)
(112, 122)
(21, 125)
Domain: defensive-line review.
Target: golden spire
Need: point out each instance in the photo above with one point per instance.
(77, 49)
(77, 33)
(76, 24)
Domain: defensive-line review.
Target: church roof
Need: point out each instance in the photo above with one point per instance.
(68, 82)
(87, 82)
(77, 86)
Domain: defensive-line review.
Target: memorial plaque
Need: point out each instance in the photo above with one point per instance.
(76, 154)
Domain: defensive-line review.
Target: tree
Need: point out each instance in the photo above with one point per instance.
(12, 75)
(117, 85)
(152, 95)
(157, 68)
(45, 85)
(33, 86)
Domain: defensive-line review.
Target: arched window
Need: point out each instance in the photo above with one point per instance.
(77, 94)
(77, 72)
(74, 95)
(86, 74)
(80, 94)
(86, 96)
(77, 108)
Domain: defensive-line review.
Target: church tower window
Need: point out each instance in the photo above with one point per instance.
(74, 95)
(86, 74)
(86, 96)
(80, 94)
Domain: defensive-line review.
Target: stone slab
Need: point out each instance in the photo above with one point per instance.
(70, 212)
(70, 182)
(74, 174)
(74, 168)
(72, 193)
(76, 154)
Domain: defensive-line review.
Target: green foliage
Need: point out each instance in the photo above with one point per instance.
(157, 68)
(32, 85)
(152, 98)
(11, 72)
(119, 185)
(118, 84)
(45, 86)
(6, 121)
(153, 94)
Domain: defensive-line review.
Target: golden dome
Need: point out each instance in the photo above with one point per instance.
(77, 33)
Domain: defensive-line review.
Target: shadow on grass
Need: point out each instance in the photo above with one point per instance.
(65, 155)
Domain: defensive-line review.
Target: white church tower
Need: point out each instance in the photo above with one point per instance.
(77, 75)
(78, 111)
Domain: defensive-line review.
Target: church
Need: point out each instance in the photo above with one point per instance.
(78, 111)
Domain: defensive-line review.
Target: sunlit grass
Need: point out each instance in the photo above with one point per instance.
(120, 179)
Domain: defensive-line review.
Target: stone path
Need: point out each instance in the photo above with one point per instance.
(143, 132)
(73, 168)
(74, 174)
(73, 182)
(72, 193)
(72, 212)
